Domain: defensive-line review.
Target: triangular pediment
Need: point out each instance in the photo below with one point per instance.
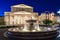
(22, 6)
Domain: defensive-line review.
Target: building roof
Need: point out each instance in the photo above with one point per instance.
(7, 13)
(22, 6)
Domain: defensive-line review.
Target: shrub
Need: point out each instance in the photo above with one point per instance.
(47, 22)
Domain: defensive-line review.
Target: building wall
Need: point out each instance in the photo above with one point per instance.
(17, 19)
(42, 17)
(14, 19)
(49, 16)
(16, 9)
(58, 19)
(6, 18)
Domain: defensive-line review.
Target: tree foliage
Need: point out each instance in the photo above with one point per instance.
(2, 22)
(47, 22)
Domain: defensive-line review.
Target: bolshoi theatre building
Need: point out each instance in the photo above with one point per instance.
(19, 14)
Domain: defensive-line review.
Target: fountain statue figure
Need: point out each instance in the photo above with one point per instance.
(31, 24)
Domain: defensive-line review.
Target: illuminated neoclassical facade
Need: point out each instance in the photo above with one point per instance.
(19, 14)
(51, 16)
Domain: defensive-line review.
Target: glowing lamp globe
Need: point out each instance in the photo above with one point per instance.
(58, 11)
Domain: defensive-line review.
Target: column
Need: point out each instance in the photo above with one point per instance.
(15, 20)
(18, 19)
(11, 20)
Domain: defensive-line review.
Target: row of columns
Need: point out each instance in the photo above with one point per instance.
(17, 19)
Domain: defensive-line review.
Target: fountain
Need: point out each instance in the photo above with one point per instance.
(31, 31)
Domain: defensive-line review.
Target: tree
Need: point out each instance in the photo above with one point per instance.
(47, 22)
(2, 22)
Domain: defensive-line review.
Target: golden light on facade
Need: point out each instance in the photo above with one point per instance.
(20, 13)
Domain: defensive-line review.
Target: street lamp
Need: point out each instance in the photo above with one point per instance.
(58, 12)
(47, 14)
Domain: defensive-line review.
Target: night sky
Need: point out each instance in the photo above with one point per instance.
(39, 5)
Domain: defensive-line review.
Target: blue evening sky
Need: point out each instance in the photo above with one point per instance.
(39, 5)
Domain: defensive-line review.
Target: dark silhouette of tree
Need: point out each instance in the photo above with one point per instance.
(47, 22)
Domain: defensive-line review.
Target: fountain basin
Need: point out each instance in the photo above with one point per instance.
(32, 35)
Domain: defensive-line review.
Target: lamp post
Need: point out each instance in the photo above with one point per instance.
(47, 15)
(58, 20)
(58, 12)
